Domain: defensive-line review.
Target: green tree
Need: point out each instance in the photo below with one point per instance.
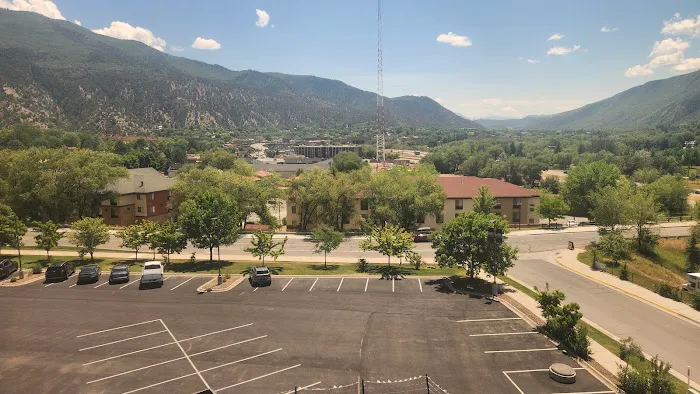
(552, 207)
(484, 201)
(693, 260)
(224, 160)
(338, 205)
(646, 175)
(88, 234)
(653, 378)
(12, 229)
(500, 258)
(390, 240)
(326, 240)
(615, 246)
(149, 228)
(133, 237)
(551, 184)
(210, 219)
(308, 193)
(169, 239)
(47, 236)
(611, 206)
(671, 193)
(464, 241)
(643, 211)
(585, 180)
(346, 162)
(263, 244)
(562, 322)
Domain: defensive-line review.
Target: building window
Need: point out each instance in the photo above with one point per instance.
(294, 209)
(153, 196)
(439, 218)
(532, 207)
(516, 216)
(498, 204)
(459, 204)
(517, 202)
(138, 196)
(139, 209)
(153, 209)
(113, 213)
(364, 204)
(531, 221)
(113, 201)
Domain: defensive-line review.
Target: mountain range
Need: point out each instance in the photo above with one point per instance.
(663, 102)
(57, 74)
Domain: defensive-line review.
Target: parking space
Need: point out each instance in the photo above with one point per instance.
(170, 283)
(405, 285)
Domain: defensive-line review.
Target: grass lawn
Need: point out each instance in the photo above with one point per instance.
(240, 267)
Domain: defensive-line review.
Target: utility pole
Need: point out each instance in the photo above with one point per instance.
(380, 90)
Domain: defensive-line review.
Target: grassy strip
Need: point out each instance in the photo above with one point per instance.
(603, 339)
(240, 267)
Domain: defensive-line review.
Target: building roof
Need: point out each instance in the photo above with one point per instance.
(459, 186)
(142, 180)
(288, 169)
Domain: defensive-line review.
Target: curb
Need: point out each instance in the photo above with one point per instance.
(209, 286)
(630, 294)
(37, 277)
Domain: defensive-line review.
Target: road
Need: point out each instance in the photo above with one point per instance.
(657, 332)
(299, 247)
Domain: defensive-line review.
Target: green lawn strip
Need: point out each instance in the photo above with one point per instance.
(604, 340)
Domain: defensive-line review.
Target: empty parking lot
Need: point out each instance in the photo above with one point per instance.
(302, 331)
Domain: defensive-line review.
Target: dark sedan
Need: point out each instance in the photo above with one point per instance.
(89, 274)
(7, 267)
(119, 274)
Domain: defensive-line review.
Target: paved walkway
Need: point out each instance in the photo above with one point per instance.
(568, 259)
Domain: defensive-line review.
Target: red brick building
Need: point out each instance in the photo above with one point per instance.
(144, 195)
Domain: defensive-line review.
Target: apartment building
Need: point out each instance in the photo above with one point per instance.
(142, 196)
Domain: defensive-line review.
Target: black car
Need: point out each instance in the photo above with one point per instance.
(7, 267)
(59, 271)
(259, 276)
(120, 273)
(89, 274)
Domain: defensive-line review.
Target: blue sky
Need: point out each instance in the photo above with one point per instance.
(477, 58)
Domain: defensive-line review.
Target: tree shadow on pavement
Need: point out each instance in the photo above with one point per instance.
(197, 266)
(320, 267)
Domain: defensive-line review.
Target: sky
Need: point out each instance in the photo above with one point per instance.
(481, 59)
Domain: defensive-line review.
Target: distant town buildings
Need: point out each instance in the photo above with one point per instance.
(326, 151)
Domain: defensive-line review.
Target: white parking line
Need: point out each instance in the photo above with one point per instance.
(136, 370)
(241, 360)
(513, 383)
(159, 383)
(173, 288)
(123, 340)
(303, 388)
(117, 328)
(185, 354)
(229, 345)
(101, 284)
(504, 333)
(73, 285)
(366, 284)
(130, 283)
(256, 288)
(537, 370)
(215, 332)
(285, 286)
(50, 284)
(494, 319)
(589, 392)
(341, 283)
(312, 286)
(420, 285)
(520, 350)
(259, 377)
(392, 284)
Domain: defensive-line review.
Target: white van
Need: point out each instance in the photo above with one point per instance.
(693, 282)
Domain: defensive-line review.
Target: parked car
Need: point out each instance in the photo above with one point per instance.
(152, 274)
(119, 273)
(89, 274)
(422, 234)
(259, 276)
(7, 267)
(59, 271)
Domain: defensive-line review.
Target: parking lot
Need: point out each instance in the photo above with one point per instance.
(309, 332)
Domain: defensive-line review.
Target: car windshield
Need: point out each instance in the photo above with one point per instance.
(152, 267)
(88, 270)
(53, 269)
(119, 270)
(262, 271)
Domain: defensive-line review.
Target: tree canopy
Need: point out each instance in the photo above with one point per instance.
(585, 180)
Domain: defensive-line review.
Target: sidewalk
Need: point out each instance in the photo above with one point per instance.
(568, 260)
(586, 229)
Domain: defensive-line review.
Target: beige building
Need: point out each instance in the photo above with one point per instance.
(515, 204)
(142, 196)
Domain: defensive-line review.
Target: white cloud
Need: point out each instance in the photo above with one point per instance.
(176, 48)
(682, 27)
(77, 22)
(563, 51)
(43, 7)
(532, 61)
(555, 37)
(688, 65)
(206, 44)
(638, 71)
(669, 46)
(125, 31)
(263, 18)
(454, 40)
(606, 29)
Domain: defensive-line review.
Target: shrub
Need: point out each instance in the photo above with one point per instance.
(362, 265)
(624, 273)
(36, 268)
(630, 350)
(13, 280)
(415, 259)
(666, 290)
(227, 276)
(695, 301)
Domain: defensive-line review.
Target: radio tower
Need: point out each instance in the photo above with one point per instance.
(380, 88)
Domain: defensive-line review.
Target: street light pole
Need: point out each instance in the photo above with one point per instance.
(217, 228)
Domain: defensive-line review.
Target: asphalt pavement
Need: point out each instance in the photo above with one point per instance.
(657, 332)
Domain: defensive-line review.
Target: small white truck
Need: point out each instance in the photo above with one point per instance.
(152, 274)
(693, 282)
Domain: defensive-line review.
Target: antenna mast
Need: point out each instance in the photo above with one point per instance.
(380, 89)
